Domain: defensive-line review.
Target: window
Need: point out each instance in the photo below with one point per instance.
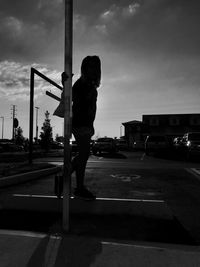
(195, 121)
(174, 121)
(154, 121)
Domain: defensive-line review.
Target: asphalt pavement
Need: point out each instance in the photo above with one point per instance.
(32, 238)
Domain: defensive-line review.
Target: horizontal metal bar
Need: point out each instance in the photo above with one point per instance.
(47, 79)
(53, 96)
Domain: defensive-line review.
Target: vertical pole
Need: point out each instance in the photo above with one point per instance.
(13, 128)
(36, 123)
(68, 112)
(120, 131)
(31, 117)
(2, 125)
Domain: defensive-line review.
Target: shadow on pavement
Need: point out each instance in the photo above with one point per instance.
(79, 251)
(132, 228)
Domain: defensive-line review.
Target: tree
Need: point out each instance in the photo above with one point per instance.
(19, 138)
(46, 135)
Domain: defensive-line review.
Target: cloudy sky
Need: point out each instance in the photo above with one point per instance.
(150, 51)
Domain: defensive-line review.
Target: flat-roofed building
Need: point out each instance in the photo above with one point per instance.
(172, 125)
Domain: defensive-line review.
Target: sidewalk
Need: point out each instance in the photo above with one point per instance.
(34, 249)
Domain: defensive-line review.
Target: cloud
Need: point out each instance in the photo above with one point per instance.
(115, 12)
(115, 16)
(30, 31)
(15, 80)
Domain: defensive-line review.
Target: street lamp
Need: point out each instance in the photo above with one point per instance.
(2, 125)
(36, 123)
(120, 131)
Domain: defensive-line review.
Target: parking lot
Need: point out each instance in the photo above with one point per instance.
(125, 175)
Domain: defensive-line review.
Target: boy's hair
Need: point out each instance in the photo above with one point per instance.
(91, 69)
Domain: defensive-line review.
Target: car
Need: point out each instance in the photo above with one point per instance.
(177, 143)
(10, 146)
(191, 144)
(156, 144)
(121, 144)
(57, 145)
(105, 144)
(74, 146)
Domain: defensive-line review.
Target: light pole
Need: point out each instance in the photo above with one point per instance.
(120, 131)
(2, 125)
(36, 123)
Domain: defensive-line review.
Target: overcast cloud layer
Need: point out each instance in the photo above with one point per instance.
(150, 52)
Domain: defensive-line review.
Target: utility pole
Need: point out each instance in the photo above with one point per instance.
(2, 117)
(13, 110)
(36, 123)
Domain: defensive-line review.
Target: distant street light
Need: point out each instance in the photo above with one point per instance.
(2, 125)
(120, 131)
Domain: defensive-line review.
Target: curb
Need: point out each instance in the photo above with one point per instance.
(24, 177)
(101, 206)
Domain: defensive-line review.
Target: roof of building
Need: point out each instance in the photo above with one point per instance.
(180, 114)
(132, 122)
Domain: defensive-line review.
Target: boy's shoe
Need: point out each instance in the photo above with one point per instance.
(84, 194)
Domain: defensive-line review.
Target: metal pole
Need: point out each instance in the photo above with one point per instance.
(120, 131)
(31, 117)
(68, 112)
(36, 123)
(2, 125)
(13, 117)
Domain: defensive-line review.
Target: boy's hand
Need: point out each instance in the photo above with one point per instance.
(65, 77)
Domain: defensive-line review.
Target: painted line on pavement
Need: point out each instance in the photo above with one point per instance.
(194, 171)
(143, 156)
(153, 245)
(103, 199)
(22, 233)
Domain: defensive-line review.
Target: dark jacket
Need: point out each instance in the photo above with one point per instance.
(84, 97)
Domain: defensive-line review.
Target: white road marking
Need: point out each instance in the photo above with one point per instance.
(143, 155)
(194, 171)
(97, 199)
(22, 233)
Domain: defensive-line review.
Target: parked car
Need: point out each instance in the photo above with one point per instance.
(156, 144)
(57, 145)
(191, 144)
(105, 144)
(121, 144)
(177, 143)
(10, 146)
(74, 146)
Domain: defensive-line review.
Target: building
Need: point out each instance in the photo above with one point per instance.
(135, 132)
(161, 124)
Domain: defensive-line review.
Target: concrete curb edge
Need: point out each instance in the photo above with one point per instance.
(24, 177)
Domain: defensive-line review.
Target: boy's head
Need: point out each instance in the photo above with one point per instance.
(91, 70)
